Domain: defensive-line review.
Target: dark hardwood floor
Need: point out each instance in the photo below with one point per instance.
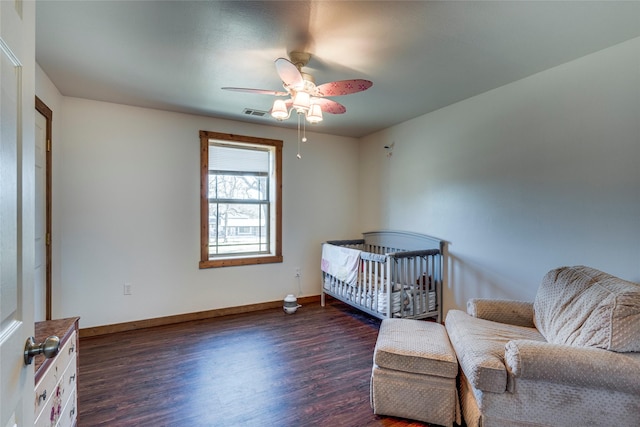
(265, 368)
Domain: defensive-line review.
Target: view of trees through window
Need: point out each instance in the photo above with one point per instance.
(238, 212)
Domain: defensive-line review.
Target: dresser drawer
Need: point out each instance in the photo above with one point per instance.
(55, 382)
(70, 411)
(60, 395)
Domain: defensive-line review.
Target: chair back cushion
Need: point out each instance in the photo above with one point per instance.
(582, 306)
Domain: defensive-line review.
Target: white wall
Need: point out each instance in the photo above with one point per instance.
(527, 177)
(536, 174)
(126, 209)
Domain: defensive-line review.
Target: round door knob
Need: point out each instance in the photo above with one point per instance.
(49, 348)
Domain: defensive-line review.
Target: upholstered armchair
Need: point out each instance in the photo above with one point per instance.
(570, 358)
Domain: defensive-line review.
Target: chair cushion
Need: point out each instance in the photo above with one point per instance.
(582, 306)
(415, 346)
(480, 345)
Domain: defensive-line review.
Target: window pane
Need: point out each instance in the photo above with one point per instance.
(238, 187)
(236, 228)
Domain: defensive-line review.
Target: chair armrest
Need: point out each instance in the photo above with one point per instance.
(578, 366)
(519, 313)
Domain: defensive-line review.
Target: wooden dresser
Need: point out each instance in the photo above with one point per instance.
(56, 379)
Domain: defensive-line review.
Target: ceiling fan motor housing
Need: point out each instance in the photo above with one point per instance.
(299, 59)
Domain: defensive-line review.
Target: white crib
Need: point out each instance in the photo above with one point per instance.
(386, 274)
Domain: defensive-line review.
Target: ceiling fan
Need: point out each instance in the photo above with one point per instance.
(305, 98)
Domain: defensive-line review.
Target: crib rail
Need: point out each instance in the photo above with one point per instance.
(348, 243)
(411, 254)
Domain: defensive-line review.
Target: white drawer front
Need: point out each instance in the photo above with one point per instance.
(70, 411)
(59, 396)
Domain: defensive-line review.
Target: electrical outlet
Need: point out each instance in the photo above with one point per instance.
(298, 272)
(128, 288)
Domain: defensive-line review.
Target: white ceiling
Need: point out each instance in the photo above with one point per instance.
(420, 55)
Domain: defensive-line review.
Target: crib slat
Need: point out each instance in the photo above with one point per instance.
(378, 278)
(418, 306)
(391, 279)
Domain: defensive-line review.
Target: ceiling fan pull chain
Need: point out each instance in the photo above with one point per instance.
(299, 155)
(304, 131)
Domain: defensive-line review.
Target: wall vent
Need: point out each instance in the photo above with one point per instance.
(252, 112)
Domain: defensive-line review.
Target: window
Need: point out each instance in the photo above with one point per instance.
(240, 200)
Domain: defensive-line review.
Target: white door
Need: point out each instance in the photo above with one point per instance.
(40, 288)
(17, 29)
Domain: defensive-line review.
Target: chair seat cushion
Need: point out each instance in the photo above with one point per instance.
(415, 346)
(480, 346)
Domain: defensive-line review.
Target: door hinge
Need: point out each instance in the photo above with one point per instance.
(48, 238)
(48, 145)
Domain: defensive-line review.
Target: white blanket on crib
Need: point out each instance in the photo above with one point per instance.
(340, 262)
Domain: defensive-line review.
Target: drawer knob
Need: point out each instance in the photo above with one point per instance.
(49, 348)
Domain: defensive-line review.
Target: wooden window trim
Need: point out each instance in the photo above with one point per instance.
(230, 261)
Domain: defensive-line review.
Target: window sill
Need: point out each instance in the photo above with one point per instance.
(232, 262)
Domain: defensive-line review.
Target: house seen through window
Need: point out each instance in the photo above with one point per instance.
(240, 200)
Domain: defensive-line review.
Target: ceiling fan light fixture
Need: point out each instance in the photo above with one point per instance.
(315, 114)
(279, 110)
(302, 101)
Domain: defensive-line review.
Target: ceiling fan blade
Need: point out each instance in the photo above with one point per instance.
(330, 106)
(344, 87)
(260, 91)
(289, 73)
